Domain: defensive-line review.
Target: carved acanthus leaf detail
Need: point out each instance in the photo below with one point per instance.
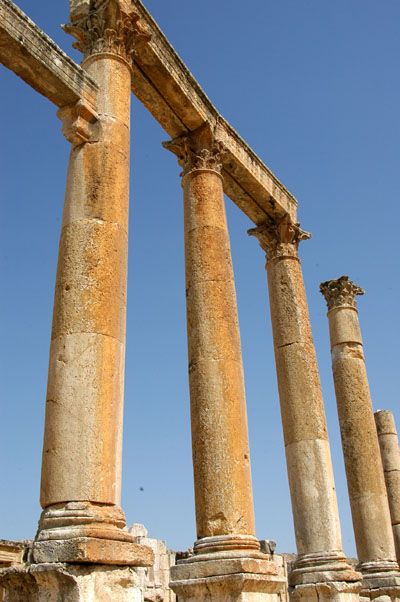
(108, 29)
(196, 153)
(340, 292)
(279, 239)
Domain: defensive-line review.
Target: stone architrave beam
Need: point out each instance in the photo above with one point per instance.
(34, 57)
(169, 91)
(163, 84)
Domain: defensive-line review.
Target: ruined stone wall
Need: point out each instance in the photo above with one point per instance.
(154, 581)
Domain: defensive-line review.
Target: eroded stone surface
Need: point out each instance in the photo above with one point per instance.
(81, 469)
(221, 460)
(154, 580)
(56, 582)
(34, 57)
(311, 480)
(389, 446)
(332, 591)
(219, 578)
(368, 498)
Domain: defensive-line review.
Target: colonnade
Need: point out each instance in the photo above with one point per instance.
(82, 520)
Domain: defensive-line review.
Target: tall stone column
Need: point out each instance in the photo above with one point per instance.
(227, 559)
(390, 453)
(82, 520)
(366, 485)
(321, 570)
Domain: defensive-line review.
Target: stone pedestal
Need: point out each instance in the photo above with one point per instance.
(221, 457)
(69, 583)
(315, 511)
(221, 577)
(327, 591)
(389, 446)
(367, 492)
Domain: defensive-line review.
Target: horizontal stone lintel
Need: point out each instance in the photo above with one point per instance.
(166, 87)
(34, 57)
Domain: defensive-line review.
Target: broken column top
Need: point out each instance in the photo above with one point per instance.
(385, 423)
(138, 530)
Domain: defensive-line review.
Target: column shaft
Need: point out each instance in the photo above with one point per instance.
(81, 469)
(389, 446)
(368, 499)
(83, 433)
(311, 480)
(221, 457)
(227, 565)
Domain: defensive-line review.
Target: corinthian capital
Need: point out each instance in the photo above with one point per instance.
(340, 292)
(279, 239)
(197, 150)
(106, 27)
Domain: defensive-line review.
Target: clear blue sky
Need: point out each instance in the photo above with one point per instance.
(313, 86)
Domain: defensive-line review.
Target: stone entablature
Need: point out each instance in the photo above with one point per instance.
(34, 57)
(161, 82)
(164, 84)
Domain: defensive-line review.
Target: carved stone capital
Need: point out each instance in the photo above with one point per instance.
(197, 150)
(79, 123)
(279, 239)
(107, 27)
(340, 292)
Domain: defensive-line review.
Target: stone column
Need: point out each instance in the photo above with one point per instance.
(82, 520)
(366, 485)
(389, 446)
(321, 568)
(227, 554)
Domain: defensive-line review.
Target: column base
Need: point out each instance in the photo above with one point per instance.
(323, 568)
(82, 532)
(322, 577)
(381, 581)
(43, 583)
(228, 577)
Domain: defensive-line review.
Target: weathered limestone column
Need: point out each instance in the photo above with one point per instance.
(82, 520)
(389, 446)
(227, 560)
(321, 571)
(367, 492)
